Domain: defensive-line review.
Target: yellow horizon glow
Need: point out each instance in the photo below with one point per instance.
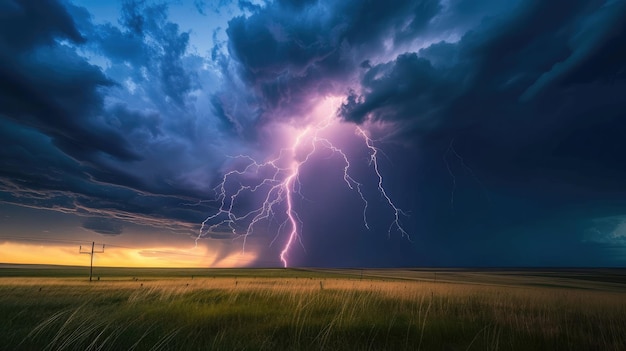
(152, 257)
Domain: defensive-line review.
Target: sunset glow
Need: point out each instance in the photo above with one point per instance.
(28, 253)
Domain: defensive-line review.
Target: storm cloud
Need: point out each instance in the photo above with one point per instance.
(501, 123)
(103, 226)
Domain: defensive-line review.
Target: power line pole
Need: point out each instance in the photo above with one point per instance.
(90, 253)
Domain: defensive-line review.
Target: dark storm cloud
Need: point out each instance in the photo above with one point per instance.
(502, 66)
(36, 175)
(512, 111)
(147, 39)
(46, 85)
(249, 6)
(25, 24)
(532, 103)
(103, 226)
(288, 51)
(64, 146)
(135, 121)
(410, 87)
(400, 19)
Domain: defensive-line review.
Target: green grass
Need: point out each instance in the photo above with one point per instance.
(311, 310)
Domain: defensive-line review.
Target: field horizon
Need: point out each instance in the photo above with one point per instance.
(57, 308)
(597, 278)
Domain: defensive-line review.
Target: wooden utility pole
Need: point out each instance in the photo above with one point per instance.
(90, 253)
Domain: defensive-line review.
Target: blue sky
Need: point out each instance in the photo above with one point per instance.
(316, 133)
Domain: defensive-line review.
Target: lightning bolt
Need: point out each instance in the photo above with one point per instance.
(468, 169)
(278, 180)
(445, 159)
(374, 161)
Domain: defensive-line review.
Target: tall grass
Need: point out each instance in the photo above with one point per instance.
(286, 313)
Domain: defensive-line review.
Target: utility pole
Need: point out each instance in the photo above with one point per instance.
(90, 253)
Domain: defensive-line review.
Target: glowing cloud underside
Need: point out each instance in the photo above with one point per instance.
(274, 184)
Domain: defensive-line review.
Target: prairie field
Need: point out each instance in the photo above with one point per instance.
(57, 308)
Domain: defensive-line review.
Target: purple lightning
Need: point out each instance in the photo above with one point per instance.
(278, 180)
(374, 161)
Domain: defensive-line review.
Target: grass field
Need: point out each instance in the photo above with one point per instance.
(57, 308)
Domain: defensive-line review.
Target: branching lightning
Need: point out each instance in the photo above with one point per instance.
(278, 180)
(374, 161)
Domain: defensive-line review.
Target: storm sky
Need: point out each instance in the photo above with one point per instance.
(498, 129)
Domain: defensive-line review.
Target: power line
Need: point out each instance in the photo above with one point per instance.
(90, 253)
